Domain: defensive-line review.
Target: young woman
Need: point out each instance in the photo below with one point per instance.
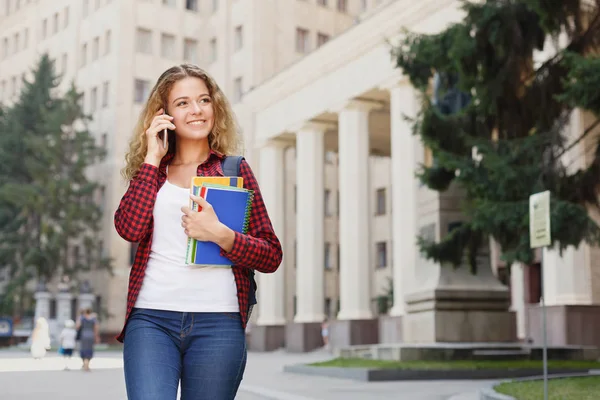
(185, 325)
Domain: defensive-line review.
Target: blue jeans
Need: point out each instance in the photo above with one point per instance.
(207, 351)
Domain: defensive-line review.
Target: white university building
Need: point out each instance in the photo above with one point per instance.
(321, 108)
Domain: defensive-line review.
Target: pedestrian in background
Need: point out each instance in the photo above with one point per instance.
(67, 341)
(40, 339)
(89, 335)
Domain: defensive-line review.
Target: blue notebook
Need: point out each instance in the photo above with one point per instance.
(232, 206)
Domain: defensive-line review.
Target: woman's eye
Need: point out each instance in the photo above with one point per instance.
(181, 103)
(205, 100)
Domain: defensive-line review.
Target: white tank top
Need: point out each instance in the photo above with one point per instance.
(170, 283)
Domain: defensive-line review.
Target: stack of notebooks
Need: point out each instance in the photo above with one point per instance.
(232, 204)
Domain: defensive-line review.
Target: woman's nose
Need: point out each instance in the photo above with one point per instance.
(196, 108)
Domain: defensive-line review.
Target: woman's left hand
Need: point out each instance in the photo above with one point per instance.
(203, 225)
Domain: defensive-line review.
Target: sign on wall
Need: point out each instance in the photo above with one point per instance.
(539, 219)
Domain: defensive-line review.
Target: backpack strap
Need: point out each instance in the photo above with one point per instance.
(231, 167)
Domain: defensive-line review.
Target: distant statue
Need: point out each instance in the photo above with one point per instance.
(446, 96)
(64, 284)
(85, 287)
(41, 285)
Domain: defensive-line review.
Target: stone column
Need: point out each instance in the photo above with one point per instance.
(573, 318)
(63, 308)
(355, 324)
(304, 334)
(85, 300)
(42, 304)
(517, 295)
(404, 189)
(566, 278)
(269, 331)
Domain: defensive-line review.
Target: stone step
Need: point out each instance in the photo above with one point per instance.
(501, 354)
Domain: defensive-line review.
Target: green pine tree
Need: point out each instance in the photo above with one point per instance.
(489, 95)
(48, 204)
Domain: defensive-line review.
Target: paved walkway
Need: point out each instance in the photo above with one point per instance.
(22, 378)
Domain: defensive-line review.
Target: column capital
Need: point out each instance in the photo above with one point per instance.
(277, 142)
(357, 104)
(314, 125)
(392, 82)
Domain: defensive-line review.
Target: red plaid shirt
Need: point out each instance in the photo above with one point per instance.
(260, 249)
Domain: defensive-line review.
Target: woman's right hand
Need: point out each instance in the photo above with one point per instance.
(156, 150)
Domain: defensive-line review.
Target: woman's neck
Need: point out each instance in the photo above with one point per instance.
(191, 152)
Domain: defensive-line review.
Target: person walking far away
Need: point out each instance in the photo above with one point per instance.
(89, 335)
(67, 341)
(184, 324)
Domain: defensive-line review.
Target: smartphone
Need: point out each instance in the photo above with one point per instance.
(164, 133)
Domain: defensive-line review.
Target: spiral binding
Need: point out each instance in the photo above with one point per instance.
(248, 211)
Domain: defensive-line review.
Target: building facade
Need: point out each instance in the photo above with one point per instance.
(115, 50)
(347, 98)
(320, 106)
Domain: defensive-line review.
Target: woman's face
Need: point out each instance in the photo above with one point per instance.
(191, 107)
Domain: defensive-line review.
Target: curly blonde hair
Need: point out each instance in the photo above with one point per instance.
(224, 137)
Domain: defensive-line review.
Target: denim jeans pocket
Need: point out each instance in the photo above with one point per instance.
(233, 315)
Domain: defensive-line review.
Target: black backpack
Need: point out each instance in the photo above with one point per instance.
(231, 167)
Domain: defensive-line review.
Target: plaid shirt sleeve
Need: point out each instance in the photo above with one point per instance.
(134, 216)
(260, 249)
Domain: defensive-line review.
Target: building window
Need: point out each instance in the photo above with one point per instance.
(295, 253)
(301, 40)
(141, 90)
(167, 46)
(66, 18)
(94, 100)
(238, 90)
(342, 5)
(44, 28)
(169, 3)
(95, 48)
(327, 202)
(327, 307)
(191, 5)
(295, 198)
(213, 49)
(338, 257)
(107, 38)
(83, 54)
(105, 94)
(380, 201)
(322, 39)
(381, 254)
(295, 305)
(215, 5)
(239, 37)
(327, 255)
(143, 41)
(190, 50)
(322, 3)
(55, 23)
